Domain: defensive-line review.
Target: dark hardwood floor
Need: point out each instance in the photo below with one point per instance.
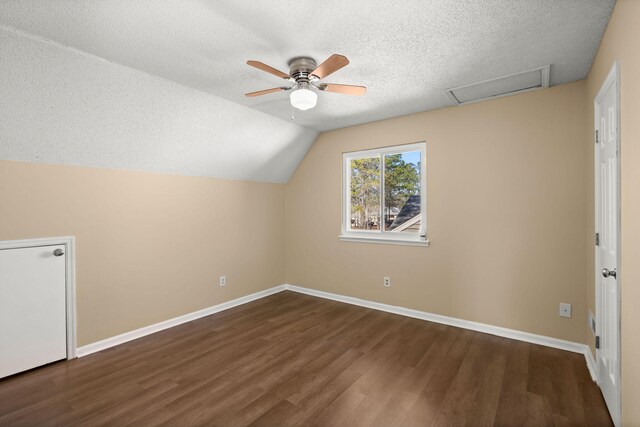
(292, 359)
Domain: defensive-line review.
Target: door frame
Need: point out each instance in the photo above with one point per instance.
(613, 78)
(70, 279)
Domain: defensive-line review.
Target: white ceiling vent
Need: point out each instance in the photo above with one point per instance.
(502, 86)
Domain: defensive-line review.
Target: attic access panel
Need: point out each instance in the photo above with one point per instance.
(513, 84)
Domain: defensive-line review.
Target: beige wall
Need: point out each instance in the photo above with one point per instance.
(620, 42)
(149, 246)
(506, 213)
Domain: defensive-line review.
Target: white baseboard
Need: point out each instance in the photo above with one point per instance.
(147, 330)
(571, 346)
(591, 363)
(423, 315)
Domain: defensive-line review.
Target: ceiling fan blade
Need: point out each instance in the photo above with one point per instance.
(345, 89)
(264, 67)
(330, 66)
(266, 91)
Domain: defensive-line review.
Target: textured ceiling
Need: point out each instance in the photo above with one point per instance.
(406, 52)
(61, 106)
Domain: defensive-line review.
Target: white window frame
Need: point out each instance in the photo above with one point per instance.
(381, 236)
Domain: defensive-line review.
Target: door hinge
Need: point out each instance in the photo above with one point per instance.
(597, 342)
(597, 139)
(597, 238)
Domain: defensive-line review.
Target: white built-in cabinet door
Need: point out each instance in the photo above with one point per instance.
(33, 328)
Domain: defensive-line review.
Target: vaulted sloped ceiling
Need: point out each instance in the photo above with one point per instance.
(64, 107)
(158, 85)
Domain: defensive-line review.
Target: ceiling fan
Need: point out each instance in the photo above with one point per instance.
(305, 74)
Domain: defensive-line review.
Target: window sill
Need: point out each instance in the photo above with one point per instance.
(382, 240)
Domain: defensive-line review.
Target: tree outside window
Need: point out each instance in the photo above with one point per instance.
(401, 181)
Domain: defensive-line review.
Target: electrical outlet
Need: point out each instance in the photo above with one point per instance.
(565, 310)
(387, 282)
(223, 280)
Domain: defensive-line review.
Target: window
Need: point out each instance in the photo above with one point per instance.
(384, 195)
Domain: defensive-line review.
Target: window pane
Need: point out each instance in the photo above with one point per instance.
(365, 194)
(402, 192)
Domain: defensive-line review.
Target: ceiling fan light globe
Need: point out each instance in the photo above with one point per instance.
(303, 99)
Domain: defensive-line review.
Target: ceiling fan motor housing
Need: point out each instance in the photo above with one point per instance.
(300, 70)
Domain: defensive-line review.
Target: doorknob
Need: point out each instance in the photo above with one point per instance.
(60, 252)
(606, 272)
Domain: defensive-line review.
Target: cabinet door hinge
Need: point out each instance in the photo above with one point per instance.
(597, 238)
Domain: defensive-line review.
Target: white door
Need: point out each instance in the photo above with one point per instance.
(607, 116)
(33, 321)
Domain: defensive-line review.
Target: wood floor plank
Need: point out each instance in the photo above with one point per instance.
(340, 410)
(292, 359)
